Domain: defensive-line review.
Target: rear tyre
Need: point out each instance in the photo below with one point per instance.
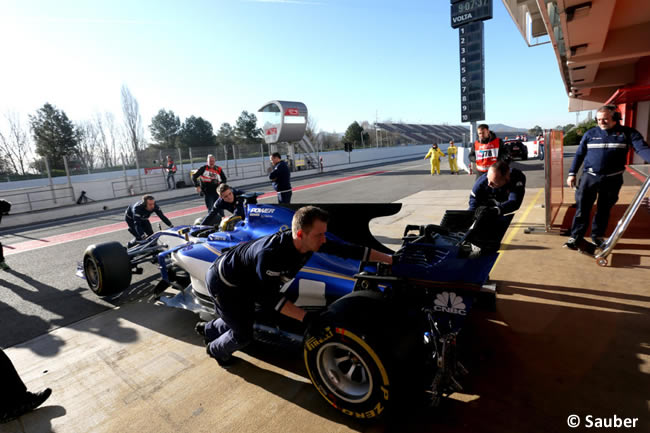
(348, 371)
(350, 359)
(107, 268)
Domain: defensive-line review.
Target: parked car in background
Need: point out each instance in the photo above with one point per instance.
(516, 149)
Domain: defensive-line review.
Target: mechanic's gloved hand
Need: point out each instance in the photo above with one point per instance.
(313, 322)
(486, 212)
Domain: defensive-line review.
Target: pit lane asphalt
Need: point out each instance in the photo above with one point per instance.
(41, 292)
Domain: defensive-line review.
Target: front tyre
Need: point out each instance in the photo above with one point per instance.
(107, 268)
(348, 371)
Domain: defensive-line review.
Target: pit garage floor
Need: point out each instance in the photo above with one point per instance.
(567, 337)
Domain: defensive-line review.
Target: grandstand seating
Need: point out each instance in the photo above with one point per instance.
(426, 134)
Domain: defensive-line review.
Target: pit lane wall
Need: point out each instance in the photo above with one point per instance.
(37, 194)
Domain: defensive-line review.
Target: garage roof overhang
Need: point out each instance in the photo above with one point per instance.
(598, 45)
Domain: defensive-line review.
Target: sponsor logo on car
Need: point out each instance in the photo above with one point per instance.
(261, 210)
(449, 302)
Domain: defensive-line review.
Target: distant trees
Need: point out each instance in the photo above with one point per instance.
(355, 134)
(132, 119)
(165, 128)
(54, 134)
(535, 131)
(197, 132)
(246, 129)
(573, 136)
(14, 145)
(226, 135)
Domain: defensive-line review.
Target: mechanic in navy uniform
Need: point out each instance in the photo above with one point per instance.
(15, 400)
(207, 179)
(228, 201)
(137, 218)
(256, 271)
(603, 149)
(281, 178)
(498, 192)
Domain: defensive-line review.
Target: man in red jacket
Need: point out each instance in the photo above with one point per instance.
(487, 150)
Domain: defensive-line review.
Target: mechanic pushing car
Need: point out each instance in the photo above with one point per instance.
(487, 150)
(498, 192)
(228, 201)
(137, 218)
(206, 180)
(256, 271)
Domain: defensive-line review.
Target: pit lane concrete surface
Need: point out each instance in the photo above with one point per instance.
(567, 337)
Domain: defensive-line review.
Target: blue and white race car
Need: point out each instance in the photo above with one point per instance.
(387, 332)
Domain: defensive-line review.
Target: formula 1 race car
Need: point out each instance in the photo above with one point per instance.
(385, 331)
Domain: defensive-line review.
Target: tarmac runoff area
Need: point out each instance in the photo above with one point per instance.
(567, 338)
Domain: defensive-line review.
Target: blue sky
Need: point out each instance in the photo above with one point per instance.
(345, 59)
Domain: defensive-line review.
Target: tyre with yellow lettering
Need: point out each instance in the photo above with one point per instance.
(347, 361)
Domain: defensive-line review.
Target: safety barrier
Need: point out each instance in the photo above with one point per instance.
(554, 174)
(37, 198)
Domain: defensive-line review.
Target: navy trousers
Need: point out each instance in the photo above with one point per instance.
(284, 197)
(210, 198)
(145, 226)
(600, 189)
(233, 330)
(13, 389)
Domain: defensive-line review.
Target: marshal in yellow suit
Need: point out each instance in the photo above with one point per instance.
(435, 154)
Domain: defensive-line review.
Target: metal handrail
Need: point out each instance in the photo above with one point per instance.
(624, 222)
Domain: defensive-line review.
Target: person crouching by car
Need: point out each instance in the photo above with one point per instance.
(137, 218)
(255, 272)
(227, 201)
(207, 179)
(500, 191)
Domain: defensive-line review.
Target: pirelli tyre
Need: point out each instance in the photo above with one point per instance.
(348, 361)
(107, 268)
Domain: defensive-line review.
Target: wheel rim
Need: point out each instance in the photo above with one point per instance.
(92, 273)
(344, 372)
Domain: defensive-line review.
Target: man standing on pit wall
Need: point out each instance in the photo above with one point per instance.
(435, 154)
(487, 150)
(281, 178)
(206, 180)
(171, 171)
(452, 152)
(604, 151)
